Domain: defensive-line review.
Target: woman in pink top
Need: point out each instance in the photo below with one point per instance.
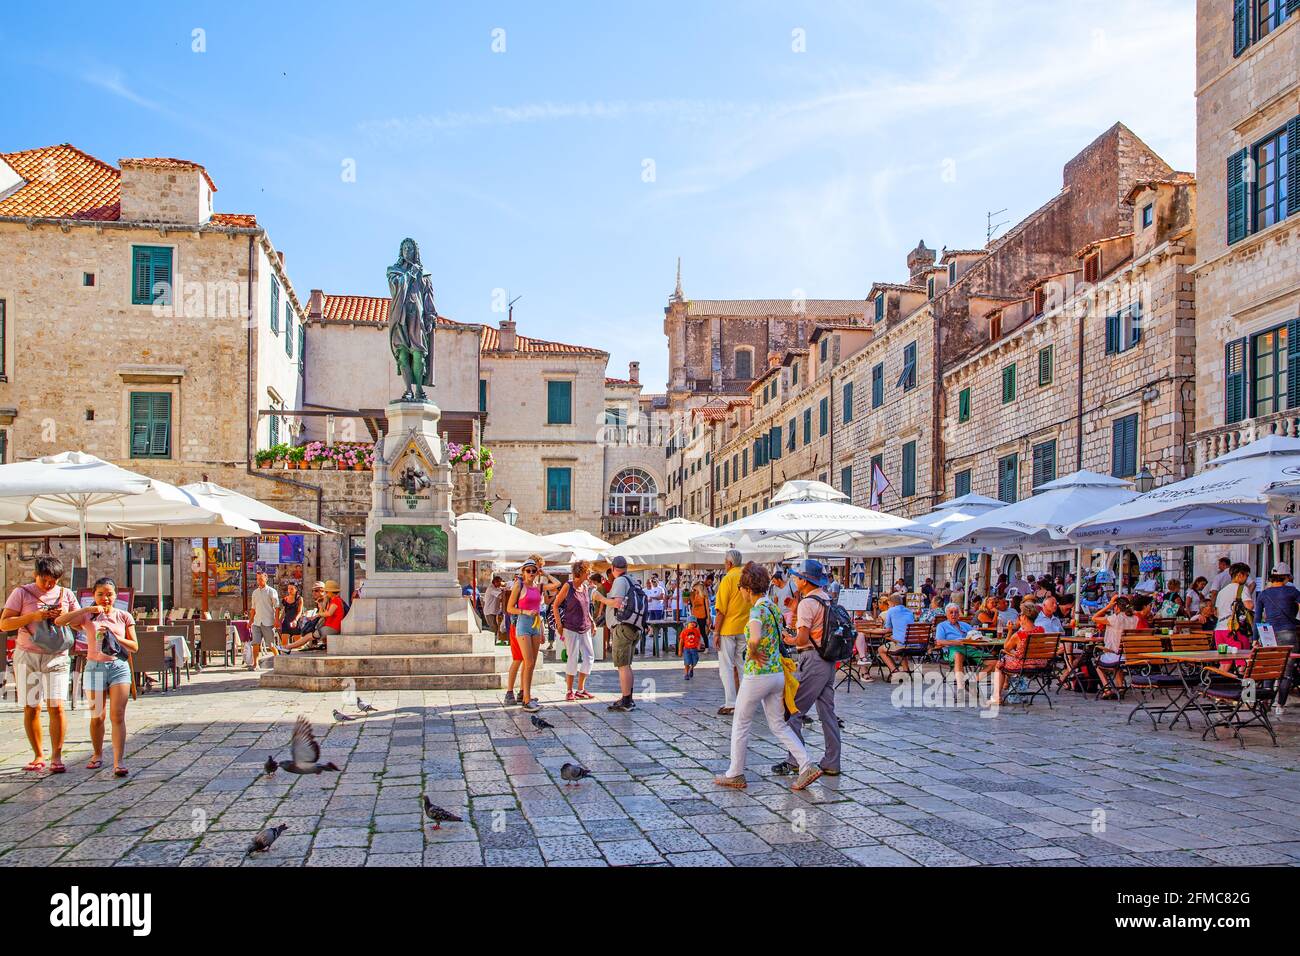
(110, 638)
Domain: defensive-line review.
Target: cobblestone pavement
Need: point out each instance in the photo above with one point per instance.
(921, 786)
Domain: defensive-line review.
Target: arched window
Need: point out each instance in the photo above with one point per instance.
(633, 492)
(959, 577)
(744, 363)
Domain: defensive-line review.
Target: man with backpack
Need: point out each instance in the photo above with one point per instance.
(823, 637)
(625, 614)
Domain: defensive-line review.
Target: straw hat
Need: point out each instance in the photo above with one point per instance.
(332, 586)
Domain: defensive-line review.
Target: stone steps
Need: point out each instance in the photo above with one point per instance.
(494, 681)
(391, 665)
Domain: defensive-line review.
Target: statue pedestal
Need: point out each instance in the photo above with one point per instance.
(411, 628)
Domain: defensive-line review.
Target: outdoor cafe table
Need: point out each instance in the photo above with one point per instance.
(1088, 647)
(657, 631)
(1199, 659)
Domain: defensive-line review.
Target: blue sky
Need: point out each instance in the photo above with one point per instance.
(606, 139)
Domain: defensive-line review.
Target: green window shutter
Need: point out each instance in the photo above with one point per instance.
(4, 448)
(880, 306)
(558, 483)
(273, 424)
(878, 385)
(1240, 26)
(151, 275)
(302, 345)
(559, 403)
(1234, 379)
(807, 425)
(847, 401)
(793, 436)
(1238, 197)
(275, 306)
(1112, 334)
(1008, 478)
(288, 330)
(1008, 384)
(1123, 447)
(823, 417)
(140, 409)
(1045, 357)
(1044, 463)
(1293, 363)
(963, 405)
(1293, 151)
(846, 480)
(151, 416)
(1135, 324)
(482, 395)
(961, 484)
(1291, 7)
(909, 470)
(774, 442)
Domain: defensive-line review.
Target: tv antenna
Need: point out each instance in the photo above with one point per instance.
(991, 226)
(510, 307)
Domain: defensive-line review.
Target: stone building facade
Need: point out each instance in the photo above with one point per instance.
(1248, 228)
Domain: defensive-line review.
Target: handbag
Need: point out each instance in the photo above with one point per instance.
(53, 638)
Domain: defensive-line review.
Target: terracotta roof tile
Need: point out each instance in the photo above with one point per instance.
(491, 342)
(242, 220)
(619, 382)
(1175, 179)
(365, 310)
(62, 182)
(166, 162)
(1101, 242)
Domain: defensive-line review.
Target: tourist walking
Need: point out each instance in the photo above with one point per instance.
(763, 685)
(626, 622)
(1234, 606)
(110, 639)
(264, 602)
(573, 620)
(41, 674)
(525, 606)
(493, 599)
(816, 676)
(729, 630)
(702, 611)
(289, 614)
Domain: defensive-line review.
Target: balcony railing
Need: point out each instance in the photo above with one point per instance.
(1214, 442)
(616, 528)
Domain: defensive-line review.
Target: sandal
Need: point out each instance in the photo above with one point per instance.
(119, 771)
(56, 766)
(95, 763)
(583, 695)
(726, 711)
(35, 766)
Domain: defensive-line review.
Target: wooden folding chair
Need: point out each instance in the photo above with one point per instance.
(151, 657)
(1041, 648)
(1243, 700)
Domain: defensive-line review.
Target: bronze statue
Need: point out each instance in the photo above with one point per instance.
(411, 320)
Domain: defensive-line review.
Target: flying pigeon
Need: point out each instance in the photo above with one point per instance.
(541, 723)
(262, 842)
(270, 766)
(341, 717)
(305, 751)
(438, 815)
(573, 772)
(364, 707)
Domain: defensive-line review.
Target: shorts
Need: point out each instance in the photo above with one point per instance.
(625, 638)
(528, 625)
(263, 634)
(1232, 639)
(690, 656)
(975, 655)
(41, 678)
(891, 646)
(99, 676)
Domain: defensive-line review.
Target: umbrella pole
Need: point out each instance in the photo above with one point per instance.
(1274, 529)
(160, 575)
(1078, 579)
(204, 602)
(81, 527)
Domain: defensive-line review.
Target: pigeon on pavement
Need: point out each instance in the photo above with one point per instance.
(305, 751)
(341, 717)
(541, 723)
(270, 766)
(438, 815)
(262, 842)
(364, 707)
(573, 772)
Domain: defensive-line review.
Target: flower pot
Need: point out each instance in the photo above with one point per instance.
(263, 464)
(327, 464)
(359, 466)
(314, 465)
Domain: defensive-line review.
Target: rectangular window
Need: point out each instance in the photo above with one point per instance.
(482, 395)
(907, 381)
(908, 482)
(963, 405)
(1045, 357)
(275, 307)
(846, 400)
(1092, 267)
(1234, 379)
(744, 363)
(961, 484)
(794, 373)
(151, 275)
(792, 435)
(880, 307)
(1269, 15)
(288, 330)
(1008, 478)
(823, 417)
(1009, 384)
(952, 272)
(1272, 183)
(929, 288)
(744, 463)
(559, 482)
(151, 424)
(807, 425)
(774, 442)
(1044, 463)
(273, 429)
(1123, 446)
(1148, 215)
(302, 345)
(846, 480)
(559, 403)
(825, 347)
(878, 385)
(1272, 356)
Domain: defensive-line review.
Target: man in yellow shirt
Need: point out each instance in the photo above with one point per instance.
(729, 629)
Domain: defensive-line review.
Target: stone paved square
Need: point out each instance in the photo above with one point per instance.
(1071, 785)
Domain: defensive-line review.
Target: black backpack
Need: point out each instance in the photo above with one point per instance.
(634, 606)
(838, 635)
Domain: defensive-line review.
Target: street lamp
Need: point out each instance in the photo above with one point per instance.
(1144, 481)
(512, 514)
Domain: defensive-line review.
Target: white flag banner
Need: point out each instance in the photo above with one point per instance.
(879, 484)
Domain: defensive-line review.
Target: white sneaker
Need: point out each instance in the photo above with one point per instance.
(1277, 710)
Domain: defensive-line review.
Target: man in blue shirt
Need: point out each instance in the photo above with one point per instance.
(948, 635)
(1047, 619)
(897, 618)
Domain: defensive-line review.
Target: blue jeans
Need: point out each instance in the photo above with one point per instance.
(99, 676)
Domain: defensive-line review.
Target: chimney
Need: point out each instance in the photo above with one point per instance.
(315, 304)
(919, 260)
(506, 337)
(634, 372)
(773, 359)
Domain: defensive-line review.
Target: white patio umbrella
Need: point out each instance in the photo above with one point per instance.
(481, 537)
(269, 520)
(943, 518)
(667, 544)
(1234, 501)
(582, 545)
(73, 480)
(813, 517)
